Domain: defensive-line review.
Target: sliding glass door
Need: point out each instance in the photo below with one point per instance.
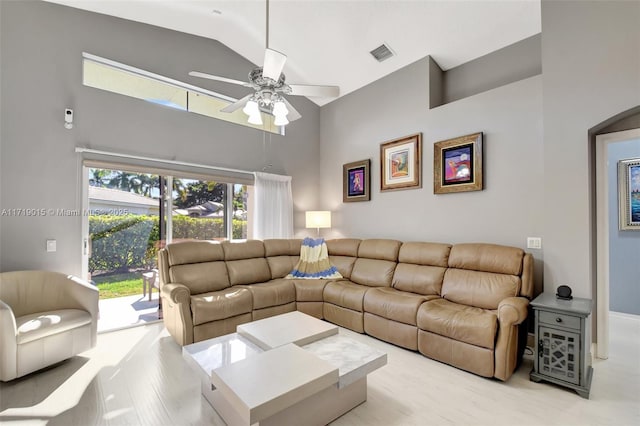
(132, 214)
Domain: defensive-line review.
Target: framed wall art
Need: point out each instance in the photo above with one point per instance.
(400, 163)
(629, 194)
(356, 180)
(457, 164)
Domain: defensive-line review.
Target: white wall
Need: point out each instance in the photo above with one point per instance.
(591, 72)
(41, 47)
(506, 212)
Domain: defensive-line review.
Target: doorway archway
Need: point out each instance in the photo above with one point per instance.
(623, 126)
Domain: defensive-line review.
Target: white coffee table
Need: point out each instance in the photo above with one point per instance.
(310, 384)
(292, 327)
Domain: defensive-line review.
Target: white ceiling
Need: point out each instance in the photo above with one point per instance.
(328, 42)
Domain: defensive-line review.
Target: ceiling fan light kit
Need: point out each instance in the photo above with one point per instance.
(268, 83)
(253, 111)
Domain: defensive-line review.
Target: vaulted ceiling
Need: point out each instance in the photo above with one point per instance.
(328, 42)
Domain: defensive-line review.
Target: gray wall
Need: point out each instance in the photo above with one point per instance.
(41, 46)
(506, 212)
(507, 65)
(591, 72)
(624, 246)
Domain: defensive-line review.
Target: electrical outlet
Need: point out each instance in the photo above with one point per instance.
(51, 245)
(534, 243)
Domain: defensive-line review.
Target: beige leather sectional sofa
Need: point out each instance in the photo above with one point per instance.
(461, 304)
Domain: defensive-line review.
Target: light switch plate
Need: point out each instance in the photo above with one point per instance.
(534, 242)
(51, 245)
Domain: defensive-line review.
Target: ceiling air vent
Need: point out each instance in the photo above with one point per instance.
(382, 52)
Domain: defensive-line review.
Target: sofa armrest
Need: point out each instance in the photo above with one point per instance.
(84, 294)
(512, 310)
(8, 343)
(79, 294)
(177, 293)
(177, 312)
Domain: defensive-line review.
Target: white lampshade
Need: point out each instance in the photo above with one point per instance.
(281, 120)
(255, 119)
(251, 108)
(279, 108)
(318, 219)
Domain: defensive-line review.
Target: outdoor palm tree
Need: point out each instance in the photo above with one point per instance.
(144, 184)
(99, 177)
(180, 188)
(123, 181)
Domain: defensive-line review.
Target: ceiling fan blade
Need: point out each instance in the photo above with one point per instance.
(315, 91)
(273, 64)
(218, 78)
(237, 104)
(293, 113)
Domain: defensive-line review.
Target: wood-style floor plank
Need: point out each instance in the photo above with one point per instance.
(138, 377)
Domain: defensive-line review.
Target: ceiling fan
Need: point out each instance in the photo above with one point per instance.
(268, 83)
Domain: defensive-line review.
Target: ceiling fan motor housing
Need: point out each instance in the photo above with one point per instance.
(256, 78)
(267, 89)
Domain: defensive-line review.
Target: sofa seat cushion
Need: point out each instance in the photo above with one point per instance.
(467, 324)
(41, 324)
(346, 294)
(272, 293)
(394, 305)
(309, 290)
(219, 305)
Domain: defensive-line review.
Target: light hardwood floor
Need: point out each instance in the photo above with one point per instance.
(137, 377)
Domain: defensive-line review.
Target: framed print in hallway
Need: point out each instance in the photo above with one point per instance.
(457, 164)
(400, 163)
(356, 181)
(629, 194)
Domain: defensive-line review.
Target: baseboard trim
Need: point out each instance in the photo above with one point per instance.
(625, 315)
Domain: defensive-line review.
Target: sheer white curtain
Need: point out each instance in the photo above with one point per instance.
(273, 207)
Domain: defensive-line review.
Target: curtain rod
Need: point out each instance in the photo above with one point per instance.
(81, 149)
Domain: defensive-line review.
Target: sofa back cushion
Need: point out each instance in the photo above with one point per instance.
(379, 249)
(201, 277)
(194, 252)
(198, 265)
(342, 254)
(282, 256)
(30, 292)
(482, 275)
(421, 267)
(487, 258)
(243, 250)
(376, 262)
(246, 263)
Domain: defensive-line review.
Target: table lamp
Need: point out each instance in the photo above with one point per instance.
(318, 219)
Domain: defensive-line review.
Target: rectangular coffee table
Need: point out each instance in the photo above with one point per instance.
(310, 384)
(292, 327)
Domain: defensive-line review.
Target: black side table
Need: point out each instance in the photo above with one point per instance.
(563, 342)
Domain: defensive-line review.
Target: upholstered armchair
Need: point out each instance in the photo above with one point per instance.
(45, 317)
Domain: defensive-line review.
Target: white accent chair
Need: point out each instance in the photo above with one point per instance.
(45, 317)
